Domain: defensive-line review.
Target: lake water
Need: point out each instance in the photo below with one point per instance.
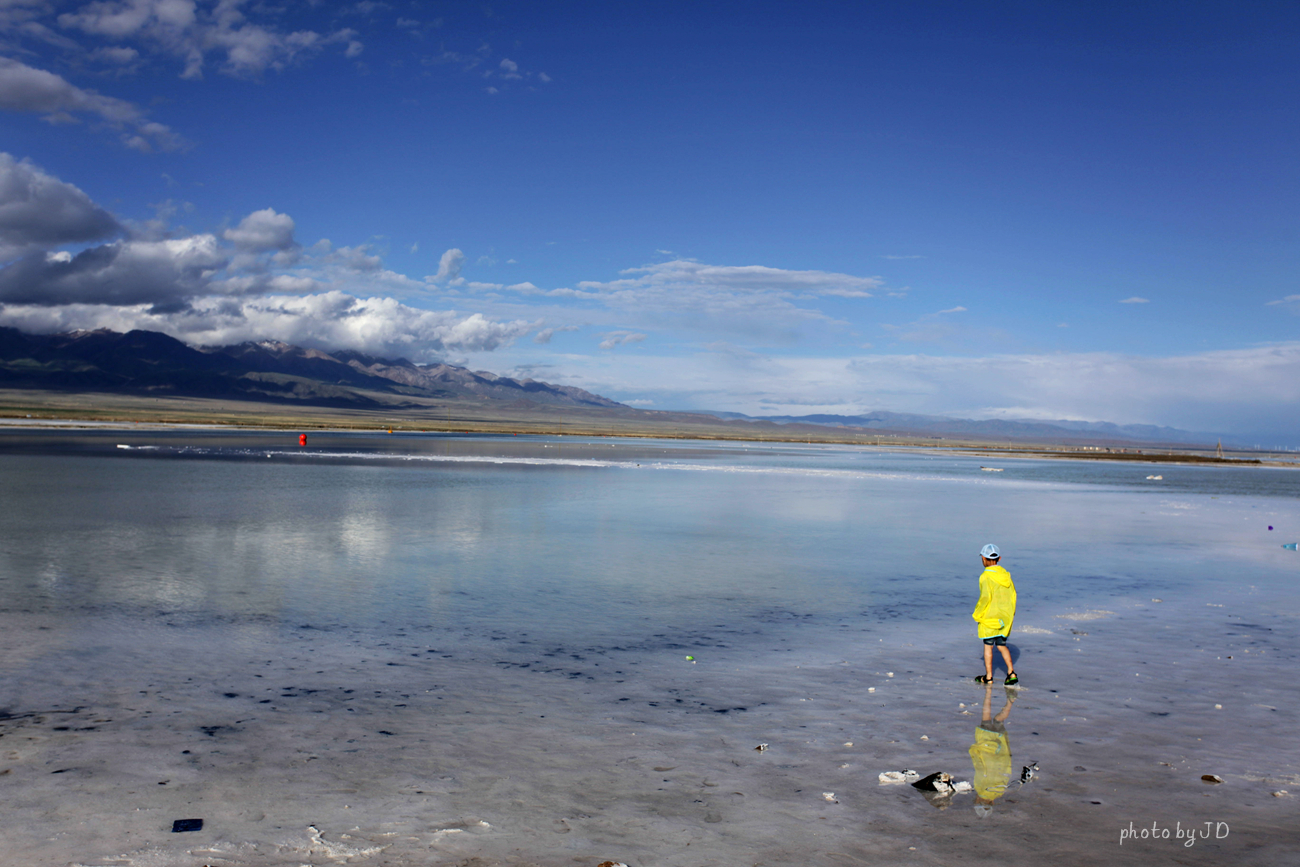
(413, 649)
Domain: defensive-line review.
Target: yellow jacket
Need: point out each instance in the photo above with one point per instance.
(997, 606)
(991, 756)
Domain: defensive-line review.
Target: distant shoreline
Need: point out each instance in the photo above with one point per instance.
(46, 410)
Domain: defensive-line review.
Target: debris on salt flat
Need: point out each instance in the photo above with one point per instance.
(762, 748)
(180, 826)
(1281, 793)
(829, 796)
(1156, 478)
(1028, 772)
(889, 778)
(938, 789)
(937, 782)
(324, 847)
(611, 864)
(1212, 779)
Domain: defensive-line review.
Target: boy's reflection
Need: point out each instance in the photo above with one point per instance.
(991, 754)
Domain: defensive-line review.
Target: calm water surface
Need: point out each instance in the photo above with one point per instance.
(603, 538)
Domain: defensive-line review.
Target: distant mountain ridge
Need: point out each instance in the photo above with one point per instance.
(148, 361)
(1001, 428)
(151, 363)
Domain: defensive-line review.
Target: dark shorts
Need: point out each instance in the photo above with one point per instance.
(997, 640)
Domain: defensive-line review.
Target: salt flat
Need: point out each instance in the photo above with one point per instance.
(457, 651)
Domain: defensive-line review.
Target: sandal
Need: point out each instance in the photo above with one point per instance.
(983, 679)
(1011, 680)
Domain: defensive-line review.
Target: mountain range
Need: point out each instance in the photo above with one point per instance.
(150, 362)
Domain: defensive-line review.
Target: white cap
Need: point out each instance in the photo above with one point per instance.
(990, 552)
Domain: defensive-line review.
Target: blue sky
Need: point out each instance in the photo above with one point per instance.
(1037, 210)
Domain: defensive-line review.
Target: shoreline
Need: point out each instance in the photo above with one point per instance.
(44, 410)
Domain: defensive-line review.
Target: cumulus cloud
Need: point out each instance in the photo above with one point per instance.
(38, 210)
(449, 266)
(28, 89)
(328, 320)
(163, 273)
(358, 258)
(252, 281)
(261, 231)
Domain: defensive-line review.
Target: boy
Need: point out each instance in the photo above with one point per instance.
(994, 613)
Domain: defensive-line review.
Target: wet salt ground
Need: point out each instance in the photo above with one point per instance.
(520, 740)
(451, 756)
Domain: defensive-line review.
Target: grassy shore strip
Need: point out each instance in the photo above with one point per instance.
(491, 417)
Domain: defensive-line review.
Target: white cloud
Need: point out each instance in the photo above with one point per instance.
(764, 303)
(27, 89)
(544, 336)
(123, 273)
(119, 56)
(1237, 390)
(262, 230)
(357, 258)
(1135, 300)
(620, 338)
(252, 282)
(1290, 299)
(681, 273)
(190, 32)
(329, 320)
(38, 210)
(449, 266)
(934, 328)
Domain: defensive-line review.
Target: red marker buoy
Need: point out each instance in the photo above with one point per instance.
(302, 439)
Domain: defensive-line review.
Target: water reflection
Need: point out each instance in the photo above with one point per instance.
(990, 757)
(991, 753)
